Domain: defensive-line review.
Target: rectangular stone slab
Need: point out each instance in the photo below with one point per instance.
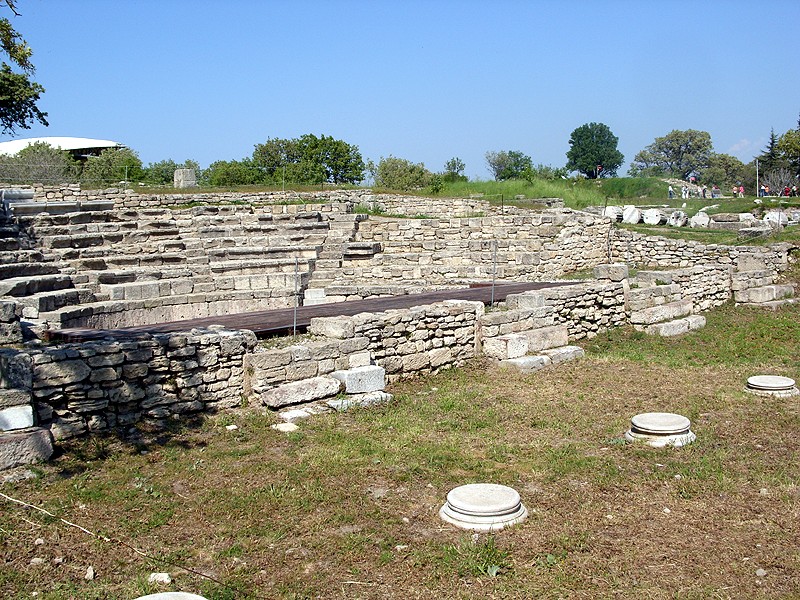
(305, 390)
(360, 380)
(16, 417)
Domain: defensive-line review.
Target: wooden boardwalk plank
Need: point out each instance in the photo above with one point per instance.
(281, 320)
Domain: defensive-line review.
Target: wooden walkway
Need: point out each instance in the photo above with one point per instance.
(282, 320)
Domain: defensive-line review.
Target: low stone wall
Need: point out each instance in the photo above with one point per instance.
(95, 386)
(538, 246)
(415, 206)
(706, 286)
(650, 252)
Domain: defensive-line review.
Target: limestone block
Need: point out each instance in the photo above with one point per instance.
(631, 215)
(701, 219)
(547, 337)
(360, 400)
(60, 373)
(748, 262)
(13, 397)
(668, 329)
(16, 417)
(526, 364)
(614, 271)
(696, 322)
(663, 312)
(25, 447)
(359, 380)
(512, 345)
(526, 300)
(563, 354)
(305, 390)
(334, 327)
(360, 359)
(766, 293)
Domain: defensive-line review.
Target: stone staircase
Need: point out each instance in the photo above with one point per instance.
(755, 285)
(338, 245)
(658, 308)
(531, 350)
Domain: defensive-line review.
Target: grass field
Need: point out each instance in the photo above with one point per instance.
(347, 507)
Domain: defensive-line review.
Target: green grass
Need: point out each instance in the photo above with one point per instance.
(347, 507)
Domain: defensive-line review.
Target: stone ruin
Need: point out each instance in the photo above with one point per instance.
(114, 259)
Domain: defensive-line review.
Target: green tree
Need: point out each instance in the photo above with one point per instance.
(724, 170)
(163, 171)
(770, 159)
(789, 147)
(591, 146)
(232, 173)
(677, 154)
(454, 170)
(309, 159)
(112, 166)
(401, 174)
(508, 164)
(18, 93)
(40, 163)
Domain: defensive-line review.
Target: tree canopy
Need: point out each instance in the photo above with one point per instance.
(510, 164)
(309, 159)
(400, 174)
(18, 93)
(593, 145)
(677, 154)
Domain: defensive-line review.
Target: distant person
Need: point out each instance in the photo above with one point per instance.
(762, 191)
(786, 191)
(670, 193)
(794, 191)
(741, 191)
(705, 191)
(734, 191)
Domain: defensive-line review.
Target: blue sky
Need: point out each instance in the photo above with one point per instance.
(425, 81)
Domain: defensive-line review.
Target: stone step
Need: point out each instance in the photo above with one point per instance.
(27, 286)
(49, 301)
(676, 327)
(25, 447)
(664, 312)
(248, 252)
(767, 293)
(27, 270)
(553, 356)
(774, 304)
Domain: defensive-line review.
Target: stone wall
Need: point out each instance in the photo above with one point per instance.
(10, 329)
(95, 386)
(706, 286)
(407, 343)
(652, 252)
(415, 206)
(538, 246)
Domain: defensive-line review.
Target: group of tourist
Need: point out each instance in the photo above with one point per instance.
(786, 192)
(737, 191)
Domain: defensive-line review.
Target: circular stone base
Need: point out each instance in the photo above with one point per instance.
(771, 385)
(171, 596)
(483, 507)
(660, 429)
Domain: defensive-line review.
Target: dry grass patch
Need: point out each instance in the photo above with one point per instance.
(347, 507)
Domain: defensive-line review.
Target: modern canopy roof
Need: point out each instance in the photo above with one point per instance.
(75, 145)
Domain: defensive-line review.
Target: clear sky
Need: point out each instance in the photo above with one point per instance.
(421, 80)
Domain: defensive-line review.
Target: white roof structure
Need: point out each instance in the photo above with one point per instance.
(72, 144)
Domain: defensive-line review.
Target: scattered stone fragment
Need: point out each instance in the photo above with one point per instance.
(89, 574)
(162, 578)
(285, 427)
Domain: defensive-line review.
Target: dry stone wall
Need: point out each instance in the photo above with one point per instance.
(95, 386)
(539, 246)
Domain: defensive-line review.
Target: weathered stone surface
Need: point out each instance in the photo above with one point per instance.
(13, 397)
(512, 345)
(305, 390)
(547, 337)
(677, 327)
(560, 355)
(664, 312)
(360, 400)
(61, 373)
(526, 364)
(333, 327)
(766, 293)
(700, 219)
(613, 271)
(25, 447)
(16, 417)
(359, 380)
